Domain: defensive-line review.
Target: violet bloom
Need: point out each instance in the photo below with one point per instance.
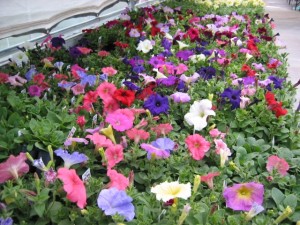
(71, 159)
(66, 85)
(86, 79)
(57, 42)
(184, 54)
(131, 86)
(58, 65)
(234, 96)
(6, 221)
(207, 73)
(277, 82)
(181, 86)
(248, 80)
(138, 69)
(180, 97)
(170, 81)
(113, 201)
(35, 90)
(75, 52)
(155, 61)
(166, 44)
(159, 149)
(157, 104)
(243, 196)
(30, 73)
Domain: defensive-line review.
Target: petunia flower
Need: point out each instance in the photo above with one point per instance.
(197, 145)
(279, 164)
(198, 114)
(170, 190)
(113, 201)
(35, 90)
(145, 46)
(126, 97)
(73, 185)
(13, 167)
(114, 154)
(110, 71)
(71, 159)
(6, 221)
(157, 104)
(180, 97)
(243, 196)
(191, 79)
(222, 150)
(208, 179)
(233, 96)
(162, 129)
(19, 58)
(137, 135)
(16, 80)
(117, 180)
(121, 119)
(69, 141)
(99, 140)
(78, 89)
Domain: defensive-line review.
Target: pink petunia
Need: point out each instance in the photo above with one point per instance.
(214, 133)
(197, 146)
(137, 135)
(110, 105)
(13, 167)
(208, 179)
(84, 50)
(114, 155)
(117, 180)
(73, 185)
(162, 129)
(74, 70)
(99, 140)
(181, 68)
(78, 89)
(110, 71)
(121, 119)
(106, 90)
(279, 164)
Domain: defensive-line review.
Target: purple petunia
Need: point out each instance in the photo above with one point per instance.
(207, 73)
(35, 90)
(157, 104)
(30, 73)
(71, 159)
(159, 149)
(166, 44)
(86, 79)
(234, 97)
(169, 81)
(57, 42)
(6, 221)
(277, 82)
(113, 201)
(138, 69)
(184, 54)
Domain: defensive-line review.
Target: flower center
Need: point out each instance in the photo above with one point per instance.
(202, 114)
(158, 104)
(244, 192)
(175, 191)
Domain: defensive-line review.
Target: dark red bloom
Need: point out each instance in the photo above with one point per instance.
(112, 23)
(275, 106)
(126, 97)
(3, 78)
(193, 33)
(121, 44)
(252, 47)
(146, 92)
(154, 31)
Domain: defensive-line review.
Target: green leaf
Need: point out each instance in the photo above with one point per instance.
(277, 196)
(290, 200)
(65, 222)
(54, 210)
(39, 209)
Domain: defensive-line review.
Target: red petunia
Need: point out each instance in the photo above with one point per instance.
(193, 33)
(126, 97)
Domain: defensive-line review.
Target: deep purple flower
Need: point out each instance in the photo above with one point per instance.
(207, 73)
(244, 196)
(30, 73)
(35, 90)
(166, 53)
(184, 54)
(74, 52)
(6, 221)
(131, 86)
(277, 82)
(233, 96)
(166, 44)
(57, 42)
(181, 86)
(138, 69)
(136, 60)
(113, 201)
(71, 159)
(155, 61)
(157, 104)
(169, 81)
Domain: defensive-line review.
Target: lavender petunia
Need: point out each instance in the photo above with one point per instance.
(164, 143)
(71, 159)
(113, 201)
(154, 152)
(180, 97)
(30, 73)
(86, 79)
(6, 221)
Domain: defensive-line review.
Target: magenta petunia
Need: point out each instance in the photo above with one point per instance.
(121, 119)
(243, 196)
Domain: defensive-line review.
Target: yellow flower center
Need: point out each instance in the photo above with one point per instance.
(175, 190)
(202, 114)
(244, 192)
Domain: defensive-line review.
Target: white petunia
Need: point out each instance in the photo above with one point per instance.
(198, 114)
(145, 46)
(170, 190)
(19, 58)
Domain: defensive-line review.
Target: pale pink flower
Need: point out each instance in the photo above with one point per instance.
(191, 79)
(117, 180)
(16, 80)
(180, 97)
(73, 186)
(78, 89)
(244, 102)
(214, 133)
(121, 119)
(106, 90)
(109, 71)
(279, 164)
(222, 150)
(13, 167)
(137, 135)
(69, 141)
(197, 146)
(248, 91)
(162, 129)
(208, 179)
(114, 155)
(181, 68)
(99, 140)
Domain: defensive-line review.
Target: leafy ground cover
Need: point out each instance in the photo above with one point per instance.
(178, 113)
